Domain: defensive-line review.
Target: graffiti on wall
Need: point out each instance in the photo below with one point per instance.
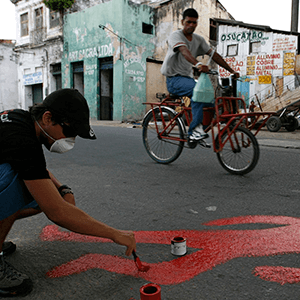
(284, 44)
(243, 36)
(130, 59)
(137, 76)
(100, 51)
(235, 63)
(265, 64)
(90, 69)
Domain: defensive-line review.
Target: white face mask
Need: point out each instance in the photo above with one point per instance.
(61, 145)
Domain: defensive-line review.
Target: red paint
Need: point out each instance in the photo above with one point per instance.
(281, 275)
(139, 265)
(215, 247)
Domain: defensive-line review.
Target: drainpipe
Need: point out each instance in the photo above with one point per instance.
(47, 76)
(294, 19)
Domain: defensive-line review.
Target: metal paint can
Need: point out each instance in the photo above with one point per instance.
(178, 246)
(150, 291)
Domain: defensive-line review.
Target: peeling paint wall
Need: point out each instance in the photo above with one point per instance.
(121, 37)
(35, 36)
(156, 82)
(8, 77)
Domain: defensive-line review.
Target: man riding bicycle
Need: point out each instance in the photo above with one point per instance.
(183, 48)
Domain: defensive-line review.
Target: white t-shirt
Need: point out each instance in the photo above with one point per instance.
(175, 63)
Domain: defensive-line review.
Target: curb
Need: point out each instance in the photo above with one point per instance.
(279, 143)
(268, 139)
(116, 124)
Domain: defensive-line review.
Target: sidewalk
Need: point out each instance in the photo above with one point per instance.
(282, 138)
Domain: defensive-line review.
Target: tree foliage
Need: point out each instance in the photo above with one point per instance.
(58, 5)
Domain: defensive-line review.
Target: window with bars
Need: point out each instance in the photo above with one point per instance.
(24, 24)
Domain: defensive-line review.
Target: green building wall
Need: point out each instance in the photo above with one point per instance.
(121, 35)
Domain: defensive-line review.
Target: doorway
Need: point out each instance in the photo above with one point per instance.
(105, 105)
(243, 89)
(78, 78)
(37, 93)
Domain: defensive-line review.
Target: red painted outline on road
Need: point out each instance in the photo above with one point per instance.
(215, 247)
(281, 275)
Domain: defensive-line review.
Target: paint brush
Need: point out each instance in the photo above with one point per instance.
(138, 263)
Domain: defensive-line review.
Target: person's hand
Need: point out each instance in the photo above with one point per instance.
(126, 238)
(203, 68)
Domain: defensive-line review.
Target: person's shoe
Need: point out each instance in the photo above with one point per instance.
(12, 282)
(195, 136)
(203, 144)
(8, 248)
(199, 129)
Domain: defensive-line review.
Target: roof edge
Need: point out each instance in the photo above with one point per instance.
(253, 26)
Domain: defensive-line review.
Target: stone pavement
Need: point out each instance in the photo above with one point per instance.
(282, 138)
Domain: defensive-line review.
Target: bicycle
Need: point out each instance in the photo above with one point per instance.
(165, 134)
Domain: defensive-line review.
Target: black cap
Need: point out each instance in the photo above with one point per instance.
(71, 106)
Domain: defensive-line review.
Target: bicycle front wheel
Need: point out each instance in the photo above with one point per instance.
(163, 147)
(240, 153)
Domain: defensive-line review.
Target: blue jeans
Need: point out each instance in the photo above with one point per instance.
(184, 86)
(14, 195)
(197, 112)
(181, 86)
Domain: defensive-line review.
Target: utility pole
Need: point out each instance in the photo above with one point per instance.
(295, 14)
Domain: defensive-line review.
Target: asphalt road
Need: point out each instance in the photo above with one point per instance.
(250, 250)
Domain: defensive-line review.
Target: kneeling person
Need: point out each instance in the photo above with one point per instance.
(28, 188)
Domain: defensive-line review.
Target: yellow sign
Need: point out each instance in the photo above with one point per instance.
(288, 64)
(250, 65)
(265, 79)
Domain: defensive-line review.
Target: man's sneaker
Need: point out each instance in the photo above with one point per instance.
(199, 129)
(8, 248)
(12, 282)
(195, 136)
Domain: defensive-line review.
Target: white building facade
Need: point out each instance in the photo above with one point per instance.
(8, 76)
(265, 58)
(38, 49)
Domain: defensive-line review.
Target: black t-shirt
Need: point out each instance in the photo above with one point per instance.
(19, 145)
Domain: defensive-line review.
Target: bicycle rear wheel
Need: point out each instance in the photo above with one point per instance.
(164, 148)
(240, 153)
